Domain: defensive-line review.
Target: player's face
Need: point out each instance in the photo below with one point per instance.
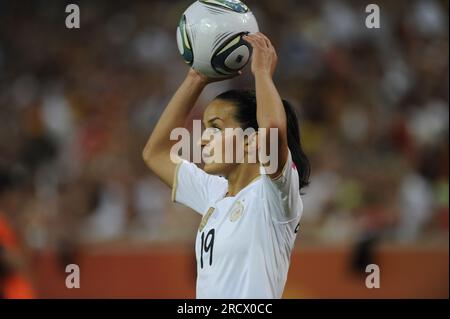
(216, 141)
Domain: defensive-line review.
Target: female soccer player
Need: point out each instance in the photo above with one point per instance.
(250, 216)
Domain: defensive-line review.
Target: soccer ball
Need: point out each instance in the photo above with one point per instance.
(209, 36)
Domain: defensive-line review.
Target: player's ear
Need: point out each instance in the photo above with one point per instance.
(252, 140)
(252, 147)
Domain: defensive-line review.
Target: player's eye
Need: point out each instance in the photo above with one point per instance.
(209, 131)
(215, 128)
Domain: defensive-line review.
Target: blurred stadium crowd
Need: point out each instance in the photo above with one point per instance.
(76, 108)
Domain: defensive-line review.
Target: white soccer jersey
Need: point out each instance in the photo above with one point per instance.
(243, 243)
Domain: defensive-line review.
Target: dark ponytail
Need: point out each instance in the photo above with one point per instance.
(245, 101)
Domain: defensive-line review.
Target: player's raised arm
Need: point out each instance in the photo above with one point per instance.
(270, 111)
(156, 153)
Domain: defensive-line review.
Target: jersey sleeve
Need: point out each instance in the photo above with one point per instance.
(194, 188)
(282, 193)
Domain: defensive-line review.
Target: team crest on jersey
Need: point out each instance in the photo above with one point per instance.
(236, 211)
(205, 218)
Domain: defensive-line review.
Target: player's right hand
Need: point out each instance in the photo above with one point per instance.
(196, 75)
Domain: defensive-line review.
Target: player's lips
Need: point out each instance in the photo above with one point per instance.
(207, 153)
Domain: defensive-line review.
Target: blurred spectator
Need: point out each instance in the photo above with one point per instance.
(13, 282)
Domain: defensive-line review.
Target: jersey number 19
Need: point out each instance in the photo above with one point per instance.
(207, 246)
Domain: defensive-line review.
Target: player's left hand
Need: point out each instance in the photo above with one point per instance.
(264, 58)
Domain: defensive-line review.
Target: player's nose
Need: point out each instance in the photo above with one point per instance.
(204, 140)
(200, 143)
